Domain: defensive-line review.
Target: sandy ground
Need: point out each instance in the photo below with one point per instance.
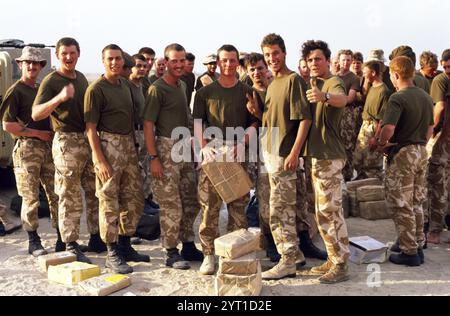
(19, 274)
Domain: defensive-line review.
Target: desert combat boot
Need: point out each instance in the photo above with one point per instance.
(338, 273)
(280, 271)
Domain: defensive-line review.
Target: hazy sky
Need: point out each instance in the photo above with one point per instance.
(202, 26)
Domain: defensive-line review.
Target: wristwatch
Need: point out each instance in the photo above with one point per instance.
(153, 157)
(327, 97)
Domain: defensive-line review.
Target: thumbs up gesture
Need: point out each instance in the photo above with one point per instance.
(314, 95)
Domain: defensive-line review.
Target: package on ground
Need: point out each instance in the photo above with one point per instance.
(54, 259)
(237, 244)
(353, 185)
(105, 284)
(245, 265)
(239, 285)
(353, 204)
(72, 273)
(229, 179)
(365, 249)
(368, 193)
(374, 210)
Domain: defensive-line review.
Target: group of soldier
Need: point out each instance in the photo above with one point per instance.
(107, 140)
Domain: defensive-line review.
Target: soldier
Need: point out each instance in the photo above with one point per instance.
(149, 55)
(60, 96)
(32, 159)
(174, 182)
(368, 163)
(357, 64)
(108, 112)
(209, 110)
(428, 66)
(349, 133)
(210, 75)
(327, 151)
(439, 164)
(188, 76)
(160, 68)
(407, 125)
(378, 56)
(303, 70)
(7, 224)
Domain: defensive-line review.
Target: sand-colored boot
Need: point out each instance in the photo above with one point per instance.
(208, 265)
(338, 273)
(11, 224)
(280, 271)
(322, 269)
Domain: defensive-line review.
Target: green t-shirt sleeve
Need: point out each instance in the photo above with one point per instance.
(356, 85)
(9, 107)
(152, 104)
(383, 105)
(92, 102)
(393, 111)
(439, 89)
(45, 92)
(200, 107)
(336, 87)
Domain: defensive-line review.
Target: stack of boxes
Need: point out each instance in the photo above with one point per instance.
(239, 269)
(62, 268)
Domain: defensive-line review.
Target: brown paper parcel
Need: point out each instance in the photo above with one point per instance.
(239, 285)
(236, 244)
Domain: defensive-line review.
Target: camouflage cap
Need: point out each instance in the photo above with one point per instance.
(32, 54)
(212, 58)
(403, 50)
(376, 55)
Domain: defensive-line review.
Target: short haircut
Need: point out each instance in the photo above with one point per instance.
(67, 41)
(171, 47)
(312, 45)
(111, 47)
(446, 55)
(428, 58)
(146, 50)
(228, 48)
(138, 57)
(253, 58)
(374, 66)
(344, 52)
(190, 57)
(357, 56)
(273, 39)
(403, 66)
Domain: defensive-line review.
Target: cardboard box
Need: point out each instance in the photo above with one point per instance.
(239, 285)
(236, 244)
(72, 273)
(370, 193)
(353, 203)
(54, 259)
(353, 185)
(230, 180)
(367, 250)
(105, 284)
(246, 265)
(374, 210)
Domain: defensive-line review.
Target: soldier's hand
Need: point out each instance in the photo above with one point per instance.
(291, 162)
(156, 169)
(104, 171)
(252, 104)
(45, 136)
(314, 95)
(385, 149)
(373, 144)
(67, 93)
(208, 154)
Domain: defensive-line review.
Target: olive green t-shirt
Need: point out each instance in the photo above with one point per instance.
(440, 88)
(153, 79)
(138, 101)
(145, 85)
(223, 107)
(376, 102)
(189, 80)
(285, 106)
(324, 141)
(387, 79)
(167, 107)
(109, 106)
(421, 82)
(351, 82)
(16, 107)
(411, 111)
(68, 116)
(199, 84)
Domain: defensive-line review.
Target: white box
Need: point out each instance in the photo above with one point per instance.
(365, 249)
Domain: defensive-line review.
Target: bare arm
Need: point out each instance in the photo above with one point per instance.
(42, 111)
(430, 132)
(351, 96)
(20, 130)
(156, 167)
(386, 133)
(291, 162)
(103, 168)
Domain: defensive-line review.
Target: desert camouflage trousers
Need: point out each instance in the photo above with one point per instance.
(211, 202)
(33, 165)
(327, 182)
(367, 163)
(73, 172)
(349, 134)
(121, 200)
(405, 195)
(177, 197)
(144, 163)
(438, 178)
